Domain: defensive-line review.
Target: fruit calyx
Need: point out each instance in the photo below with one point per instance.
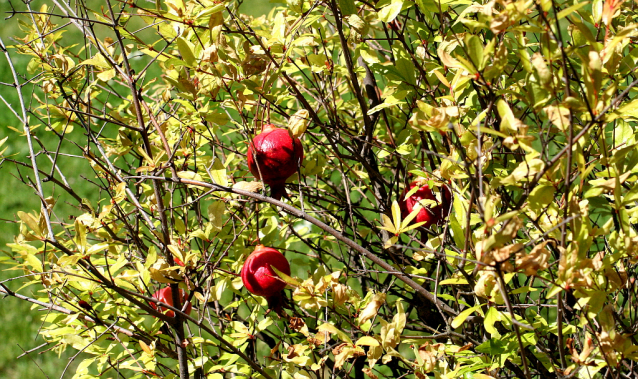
(268, 127)
(258, 276)
(165, 295)
(273, 156)
(430, 213)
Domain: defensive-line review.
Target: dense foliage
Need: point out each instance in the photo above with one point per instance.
(524, 110)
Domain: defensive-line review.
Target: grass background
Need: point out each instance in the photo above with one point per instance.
(18, 323)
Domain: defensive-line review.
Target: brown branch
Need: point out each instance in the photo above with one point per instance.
(298, 213)
(5, 290)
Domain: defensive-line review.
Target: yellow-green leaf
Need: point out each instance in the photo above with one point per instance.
(218, 173)
(186, 50)
(458, 320)
(367, 341)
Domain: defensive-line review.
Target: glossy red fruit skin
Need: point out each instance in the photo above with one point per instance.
(165, 295)
(431, 214)
(258, 277)
(279, 156)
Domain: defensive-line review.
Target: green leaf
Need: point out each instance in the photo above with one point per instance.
(347, 7)
(554, 290)
(396, 215)
(98, 61)
(391, 11)
(541, 196)
(367, 341)
(217, 117)
(457, 281)
(189, 175)
(567, 11)
(278, 30)
(31, 222)
(458, 320)
(286, 278)
(186, 50)
(216, 212)
(543, 71)
(406, 222)
(492, 347)
(475, 50)
(629, 109)
(405, 149)
(327, 327)
(428, 6)
(218, 173)
(491, 317)
(404, 67)
(383, 106)
(34, 262)
(388, 225)
(493, 132)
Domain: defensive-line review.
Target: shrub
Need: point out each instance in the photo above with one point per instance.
(526, 110)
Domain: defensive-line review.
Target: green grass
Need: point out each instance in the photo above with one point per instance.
(18, 324)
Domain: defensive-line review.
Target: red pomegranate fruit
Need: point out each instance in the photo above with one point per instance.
(273, 156)
(85, 305)
(430, 214)
(165, 295)
(257, 274)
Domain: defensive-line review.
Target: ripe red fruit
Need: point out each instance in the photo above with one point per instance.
(165, 295)
(430, 214)
(258, 277)
(273, 156)
(85, 305)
